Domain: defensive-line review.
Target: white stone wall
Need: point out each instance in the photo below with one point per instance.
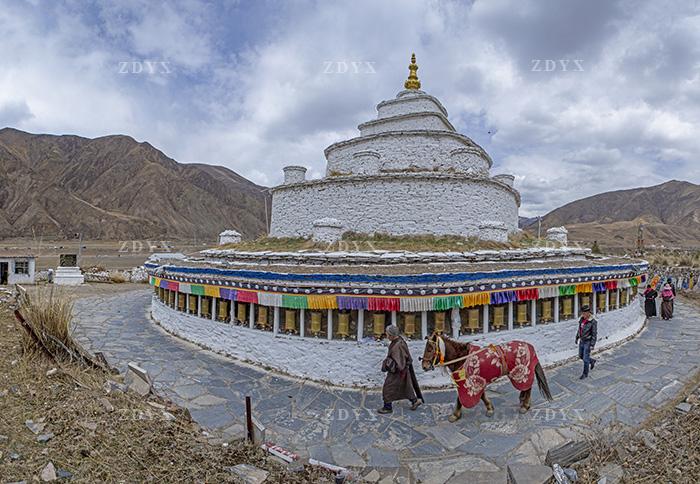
(407, 122)
(410, 102)
(409, 151)
(398, 204)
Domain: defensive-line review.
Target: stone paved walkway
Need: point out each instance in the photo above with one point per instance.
(340, 426)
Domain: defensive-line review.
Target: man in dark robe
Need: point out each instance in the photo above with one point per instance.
(650, 296)
(400, 380)
(586, 337)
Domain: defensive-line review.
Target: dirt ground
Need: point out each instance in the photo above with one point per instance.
(109, 254)
(95, 436)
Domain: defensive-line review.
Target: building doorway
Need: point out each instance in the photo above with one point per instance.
(4, 268)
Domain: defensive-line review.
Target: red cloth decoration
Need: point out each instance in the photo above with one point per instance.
(515, 359)
(173, 285)
(527, 294)
(611, 285)
(247, 296)
(384, 304)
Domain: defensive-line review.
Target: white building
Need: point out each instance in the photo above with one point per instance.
(17, 269)
(409, 172)
(229, 237)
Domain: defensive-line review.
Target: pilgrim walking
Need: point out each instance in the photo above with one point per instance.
(650, 296)
(401, 382)
(668, 294)
(586, 337)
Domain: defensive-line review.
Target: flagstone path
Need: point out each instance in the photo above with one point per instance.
(340, 426)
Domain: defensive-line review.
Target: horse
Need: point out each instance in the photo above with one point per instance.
(472, 368)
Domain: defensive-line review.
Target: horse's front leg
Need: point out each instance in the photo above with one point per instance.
(457, 413)
(525, 400)
(489, 405)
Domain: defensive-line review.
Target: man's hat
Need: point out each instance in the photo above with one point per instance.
(585, 308)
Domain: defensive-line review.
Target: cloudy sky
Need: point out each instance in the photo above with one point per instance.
(573, 97)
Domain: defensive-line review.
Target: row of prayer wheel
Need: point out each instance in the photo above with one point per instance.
(344, 324)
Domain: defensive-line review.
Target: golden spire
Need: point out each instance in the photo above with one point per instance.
(412, 82)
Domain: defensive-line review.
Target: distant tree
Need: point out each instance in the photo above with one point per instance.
(595, 249)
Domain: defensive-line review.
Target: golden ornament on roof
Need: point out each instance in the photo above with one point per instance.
(412, 82)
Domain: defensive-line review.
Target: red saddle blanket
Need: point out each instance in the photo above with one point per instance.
(515, 359)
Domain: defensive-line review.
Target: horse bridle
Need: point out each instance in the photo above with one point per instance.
(439, 353)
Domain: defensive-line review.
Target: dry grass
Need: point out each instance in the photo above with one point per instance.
(48, 312)
(131, 442)
(352, 241)
(118, 278)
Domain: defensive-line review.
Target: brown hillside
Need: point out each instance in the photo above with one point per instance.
(670, 214)
(116, 188)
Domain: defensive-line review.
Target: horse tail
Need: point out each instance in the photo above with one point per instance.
(542, 382)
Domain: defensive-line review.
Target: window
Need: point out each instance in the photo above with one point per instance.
(21, 267)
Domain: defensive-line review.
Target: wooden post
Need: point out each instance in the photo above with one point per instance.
(556, 309)
(302, 323)
(594, 296)
(249, 419)
(330, 324)
(607, 300)
(510, 316)
(251, 316)
(576, 308)
(485, 319)
(199, 306)
(276, 320)
(213, 308)
(360, 324)
(533, 312)
(424, 324)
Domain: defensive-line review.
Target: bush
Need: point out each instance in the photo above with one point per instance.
(118, 278)
(48, 313)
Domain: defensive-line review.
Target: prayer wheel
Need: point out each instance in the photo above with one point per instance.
(623, 297)
(498, 317)
(262, 317)
(521, 313)
(193, 304)
(601, 302)
(222, 309)
(206, 307)
(343, 325)
(409, 324)
(290, 320)
(181, 301)
(568, 308)
(473, 319)
(547, 310)
(613, 299)
(240, 313)
(378, 325)
(440, 322)
(585, 301)
(315, 323)
(161, 293)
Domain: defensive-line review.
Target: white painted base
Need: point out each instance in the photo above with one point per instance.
(358, 363)
(68, 276)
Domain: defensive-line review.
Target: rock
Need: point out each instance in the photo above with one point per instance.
(138, 380)
(248, 473)
(112, 386)
(648, 438)
(610, 473)
(528, 473)
(35, 427)
(52, 371)
(92, 426)
(4, 438)
(43, 438)
(157, 405)
(684, 407)
(14, 456)
(373, 476)
(167, 416)
(64, 474)
(106, 404)
(48, 474)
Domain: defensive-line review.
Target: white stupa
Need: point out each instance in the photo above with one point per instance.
(409, 172)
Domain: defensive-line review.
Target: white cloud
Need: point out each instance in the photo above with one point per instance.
(257, 99)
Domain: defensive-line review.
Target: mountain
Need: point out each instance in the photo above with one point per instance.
(114, 187)
(669, 213)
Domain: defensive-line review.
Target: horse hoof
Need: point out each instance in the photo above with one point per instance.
(523, 410)
(453, 418)
(489, 413)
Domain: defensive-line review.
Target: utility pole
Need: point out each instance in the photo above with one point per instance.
(539, 227)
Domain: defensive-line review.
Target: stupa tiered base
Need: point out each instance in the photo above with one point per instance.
(68, 276)
(351, 296)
